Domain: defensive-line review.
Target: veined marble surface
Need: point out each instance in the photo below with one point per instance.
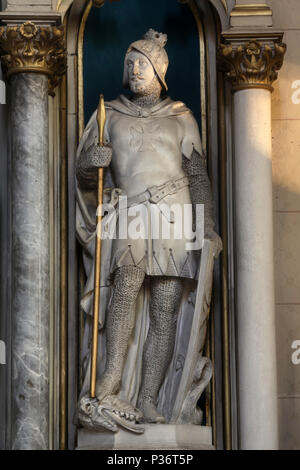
(30, 261)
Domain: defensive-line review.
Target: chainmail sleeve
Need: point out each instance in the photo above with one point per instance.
(200, 188)
(91, 156)
(88, 163)
(87, 178)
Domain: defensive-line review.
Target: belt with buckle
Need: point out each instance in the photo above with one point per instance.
(155, 194)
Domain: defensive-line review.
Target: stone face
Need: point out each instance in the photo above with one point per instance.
(30, 263)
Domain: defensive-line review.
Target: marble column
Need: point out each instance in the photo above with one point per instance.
(252, 67)
(257, 386)
(30, 261)
(34, 58)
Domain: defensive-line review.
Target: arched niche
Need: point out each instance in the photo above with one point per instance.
(210, 17)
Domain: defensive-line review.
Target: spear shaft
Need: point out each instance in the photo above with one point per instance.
(97, 274)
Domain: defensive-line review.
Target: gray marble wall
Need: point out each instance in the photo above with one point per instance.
(30, 261)
(4, 264)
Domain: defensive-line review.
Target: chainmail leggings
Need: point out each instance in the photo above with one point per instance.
(119, 326)
(166, 294)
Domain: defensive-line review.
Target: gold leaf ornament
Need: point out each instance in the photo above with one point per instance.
(33, 48)
(251, 65)
(28, 30)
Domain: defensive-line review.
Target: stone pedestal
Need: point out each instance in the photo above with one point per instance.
(155, 437)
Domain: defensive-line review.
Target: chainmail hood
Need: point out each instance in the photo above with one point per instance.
(152, 46)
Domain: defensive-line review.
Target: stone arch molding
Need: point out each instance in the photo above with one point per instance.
(223, 8)
(75, 10)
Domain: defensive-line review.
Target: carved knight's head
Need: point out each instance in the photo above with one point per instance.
(143, 53)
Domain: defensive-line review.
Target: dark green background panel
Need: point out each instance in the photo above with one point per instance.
(110, 30)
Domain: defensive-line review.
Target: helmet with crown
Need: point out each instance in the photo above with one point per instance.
(152, 46)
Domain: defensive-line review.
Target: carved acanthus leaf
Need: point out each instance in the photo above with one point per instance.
(33, 48)
(252, 64)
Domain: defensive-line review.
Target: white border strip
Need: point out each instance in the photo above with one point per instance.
(2, 352)
(2, 92)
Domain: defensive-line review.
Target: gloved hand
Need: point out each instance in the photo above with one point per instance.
(96, 156)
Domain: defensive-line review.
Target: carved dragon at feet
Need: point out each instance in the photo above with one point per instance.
(109, 414)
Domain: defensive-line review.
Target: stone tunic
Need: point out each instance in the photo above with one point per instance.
(148, 144)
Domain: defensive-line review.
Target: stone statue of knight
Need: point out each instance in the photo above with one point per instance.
(153, 156)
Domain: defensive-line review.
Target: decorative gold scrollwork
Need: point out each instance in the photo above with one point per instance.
(33, 48)
(252, 64)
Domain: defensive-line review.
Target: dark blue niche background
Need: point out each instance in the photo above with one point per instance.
(110, 30)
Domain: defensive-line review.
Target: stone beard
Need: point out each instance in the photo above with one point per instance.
(154, 155)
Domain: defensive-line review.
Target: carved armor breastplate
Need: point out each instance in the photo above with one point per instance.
(146, 151)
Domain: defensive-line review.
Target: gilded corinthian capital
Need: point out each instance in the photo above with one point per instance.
(252, 64)
(32, 48)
